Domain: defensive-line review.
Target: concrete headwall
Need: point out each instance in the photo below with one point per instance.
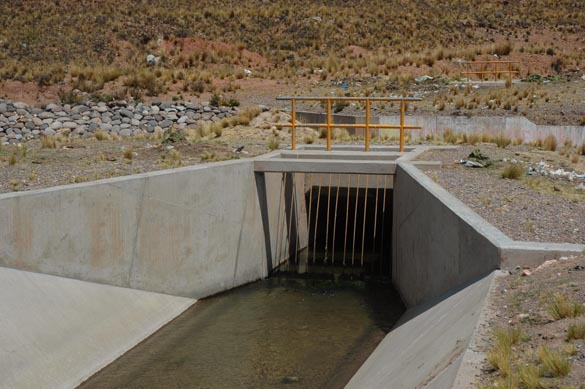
(191, 232)
(438, 242)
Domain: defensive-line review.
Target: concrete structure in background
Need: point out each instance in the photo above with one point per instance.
(57, 332)
(434, 125)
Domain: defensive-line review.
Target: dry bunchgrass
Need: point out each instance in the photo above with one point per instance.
(449, 136)
(550, 143)
(128, 154)
(555, 363)
(576, 331)
(48, 142)
(513, 171)
(101, 135)
(500, 355)
(12, 159)
(582, 149)
(502, 141)
(273, 144)
(529, 377)
(473, 139)
(561, 307)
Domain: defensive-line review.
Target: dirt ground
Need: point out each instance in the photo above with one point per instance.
(530, 208)
(30, 166)
(524, 301)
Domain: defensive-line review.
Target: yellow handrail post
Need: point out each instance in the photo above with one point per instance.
(329, 124)
(368, 106)
(510, 73)
(402, 110)
(293, 121)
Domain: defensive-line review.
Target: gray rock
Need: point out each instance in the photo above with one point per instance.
(70, 125)
(3, 108)
(126, 113)
(125, 132)
(20, 105)
(165, 123)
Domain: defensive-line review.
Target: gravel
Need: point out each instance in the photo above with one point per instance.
(515, 207)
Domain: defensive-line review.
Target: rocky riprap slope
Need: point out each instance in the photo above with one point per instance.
(20, 122)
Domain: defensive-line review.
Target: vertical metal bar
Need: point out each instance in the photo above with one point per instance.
(289, 240)
(279, 222)
(335, 218)
(383, 224)
(364, 224)
(355, 219)
(327, 221)
(368, 106)
(402, 110)
(293, 122)
(329, 122)
(296, 218)
(510, 73)
(309, 216)
(346, 219)
(376, 213)
(317, 218)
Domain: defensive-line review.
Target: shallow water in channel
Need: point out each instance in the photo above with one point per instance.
(275, 333)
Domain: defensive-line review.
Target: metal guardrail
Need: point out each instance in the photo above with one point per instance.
(329, 125)
(490, 68)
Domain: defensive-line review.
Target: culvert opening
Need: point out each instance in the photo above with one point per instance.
(347, 226)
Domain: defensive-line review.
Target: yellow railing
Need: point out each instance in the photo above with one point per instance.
(490, 68)
(329, 125)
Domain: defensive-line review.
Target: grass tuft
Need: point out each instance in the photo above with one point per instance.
(561, 307)
(502, 141)
(101, 135)
(48, 142)
(576, 331)
(273, 144)
(513, 171)
(554, 362)
(550, 143)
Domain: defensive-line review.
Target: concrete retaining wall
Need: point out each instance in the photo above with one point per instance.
(192, 232)
(513, 126)
(438, 242)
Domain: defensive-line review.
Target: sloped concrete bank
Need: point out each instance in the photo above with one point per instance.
(56, 332)
(444, 260)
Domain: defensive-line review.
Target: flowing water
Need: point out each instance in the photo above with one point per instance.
(275, 333)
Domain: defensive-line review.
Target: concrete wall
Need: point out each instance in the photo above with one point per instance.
(513, 126)
(192, 232)
(438, 242)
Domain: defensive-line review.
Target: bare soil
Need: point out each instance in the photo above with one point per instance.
(524, 301)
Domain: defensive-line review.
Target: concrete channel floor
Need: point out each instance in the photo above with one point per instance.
(56, 332)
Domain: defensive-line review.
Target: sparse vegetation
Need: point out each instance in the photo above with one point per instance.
(550, 143)
(48, 142)
(502, 140)
(273, 144)
(576, 331)
(561, 307)
(513, 171)
(554, 362)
